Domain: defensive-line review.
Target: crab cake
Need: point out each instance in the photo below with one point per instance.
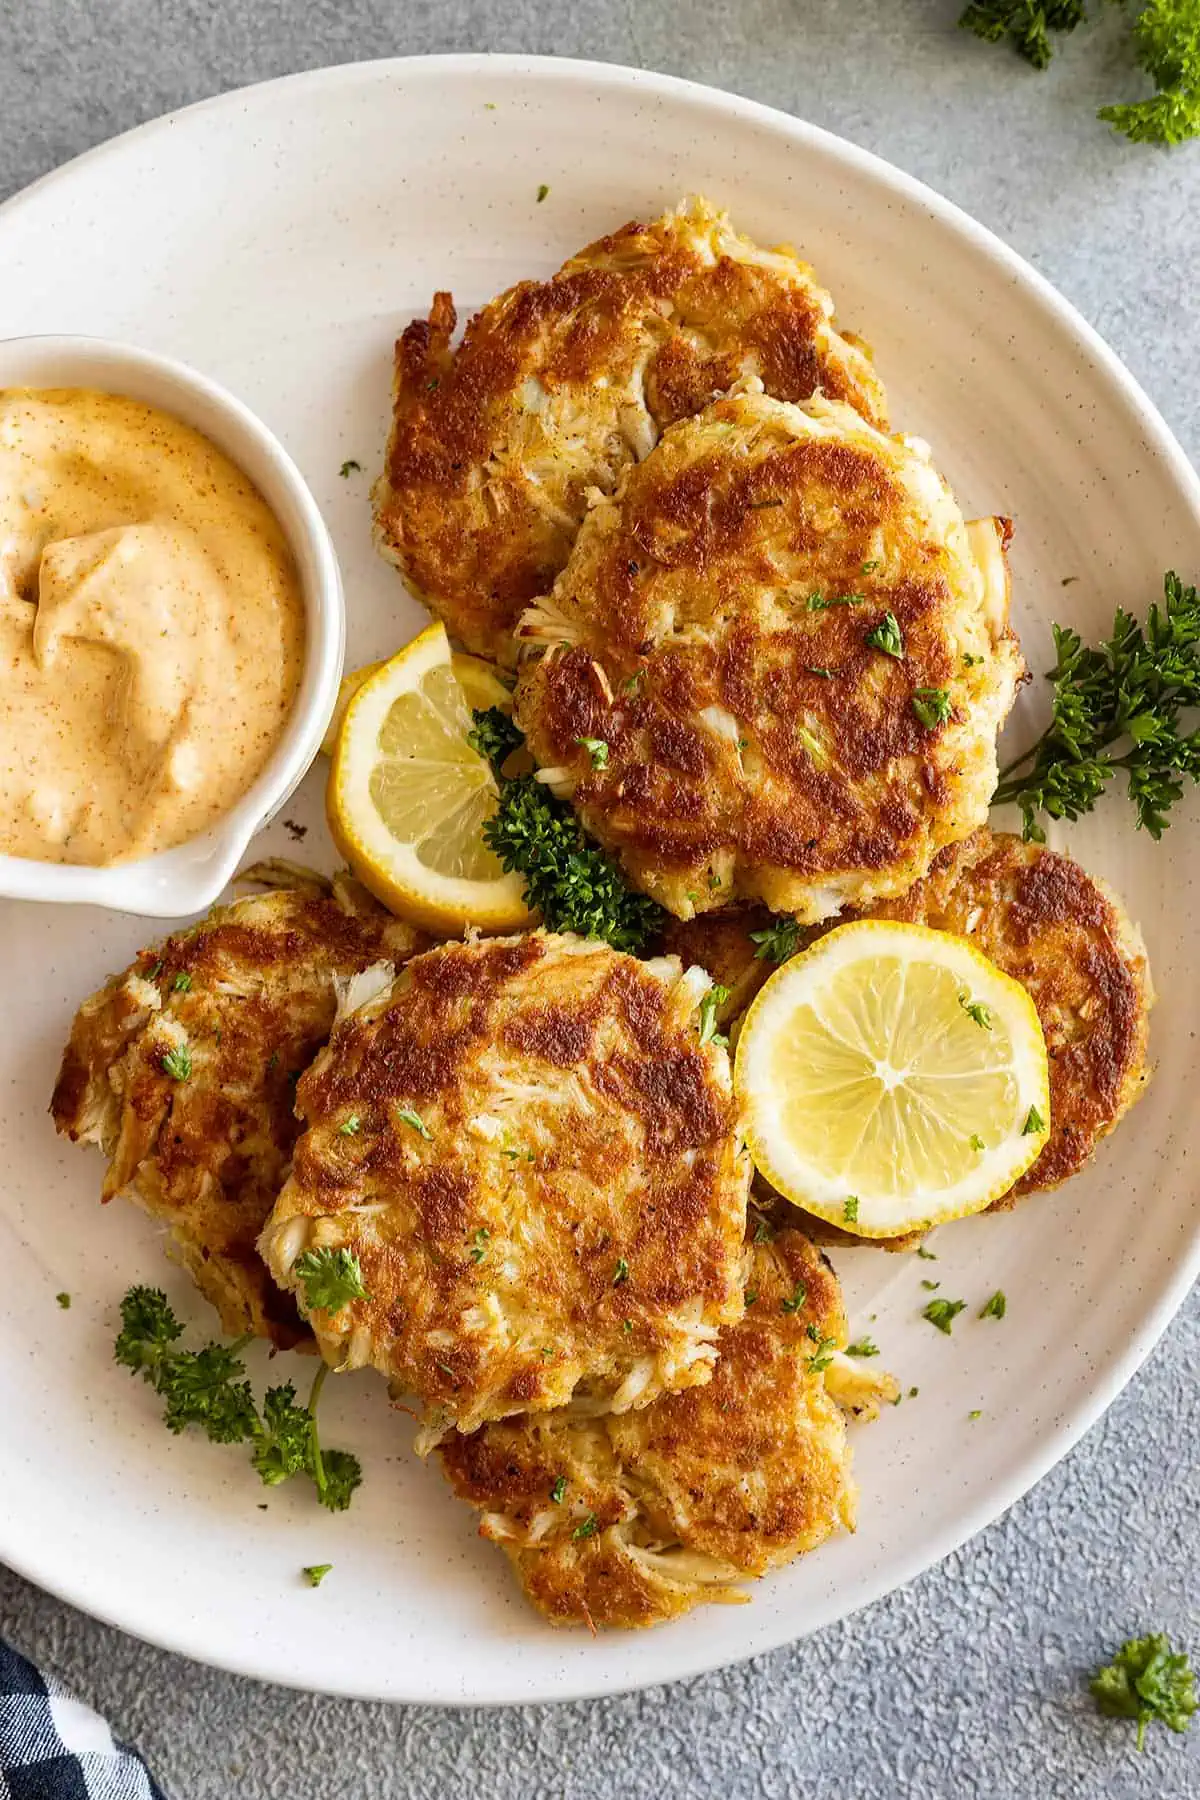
(775, 664)
(183, 1070)
(530, 1146)
(633, 1519)
(559, 384)
(1070, 943)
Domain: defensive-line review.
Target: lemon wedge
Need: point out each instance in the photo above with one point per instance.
(408, 796)
(479, 681)
(892, 1078)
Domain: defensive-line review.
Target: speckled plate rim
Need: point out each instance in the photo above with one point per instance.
(679, 1659)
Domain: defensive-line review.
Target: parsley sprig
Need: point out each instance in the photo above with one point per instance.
(494, 737)
(208, 1388)
(330, 1278)
(1116, 708)
(571, 881)
(1166, 43)
(1146, 1680)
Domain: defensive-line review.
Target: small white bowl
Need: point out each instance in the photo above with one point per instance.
(189, 878)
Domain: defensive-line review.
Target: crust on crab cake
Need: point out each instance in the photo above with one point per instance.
(797, 656)
(558, 385)
(632, 1520)
(244, 1001)
(545, 1186)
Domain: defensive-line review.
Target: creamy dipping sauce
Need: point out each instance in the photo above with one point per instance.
(151, 628)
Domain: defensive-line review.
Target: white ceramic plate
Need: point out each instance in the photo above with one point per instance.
(276, 239)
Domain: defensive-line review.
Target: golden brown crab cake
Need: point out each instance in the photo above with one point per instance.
(558, 385)
(775, 664)
(530, 1145)
(183, 1070)
(633, 1519)
(1068, 940)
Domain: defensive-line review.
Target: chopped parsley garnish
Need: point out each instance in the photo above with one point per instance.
(862, 1347)
(818, 602)
(408, 1117)
(709, 1006)
(975, 1009)
(761, 505)
(977, 1142)
(823, 1352)
(850, 1209)
(330, 1278)
(156, 971)
(931, 1286)
(597, 750)
(480, 1244)
(1116, 709)
(315, 1573)
(777, 942)
(586, 1528)
(799, 1296)
(494, 736)
(932, 706)
(926, 1255)
(64, 1300)
(633, 683)
(812, 743)
(913, 1392)
(1033, 1122)
(969, 661)
(569, 880)
(812, 669)
(182, 982)
(620, 1271)
(996, 1307)
(869, 568)
(350, 1127)
(543, 190)
(1146, 1680)
(558, 1490)
(976, 1414)
(208, 1388)
(751, 1296)
(519, 1155)
(886, 636)
(350, 467)
(943, 1313)
(177, 1063)
(763, 1233)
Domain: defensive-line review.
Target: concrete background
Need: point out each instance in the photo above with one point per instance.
(971, 1682)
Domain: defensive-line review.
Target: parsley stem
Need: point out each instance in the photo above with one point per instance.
(317, 1464)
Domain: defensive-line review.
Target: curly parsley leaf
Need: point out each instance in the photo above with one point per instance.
(569, 880)
(1146, 1680)
(330, 1278)
(1026, 24)
(177, 1063)
(1116, 710)
(494, 737)
(315, 1573)
(283, 1446)
(1166, 42)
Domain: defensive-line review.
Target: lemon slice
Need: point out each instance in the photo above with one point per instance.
(892, 1078)
(479, 681)
(408, 796)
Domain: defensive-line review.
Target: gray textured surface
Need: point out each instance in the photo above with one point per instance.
(971, 1681)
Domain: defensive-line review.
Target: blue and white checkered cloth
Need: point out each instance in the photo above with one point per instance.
(53, 1747)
